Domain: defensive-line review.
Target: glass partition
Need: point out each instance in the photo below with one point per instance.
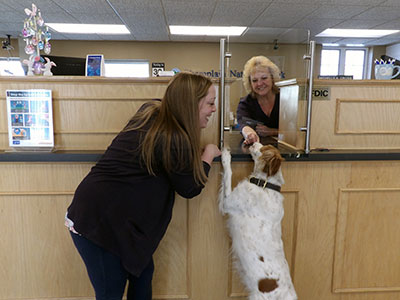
(288, 57)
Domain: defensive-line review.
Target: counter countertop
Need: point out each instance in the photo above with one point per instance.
(238, 154)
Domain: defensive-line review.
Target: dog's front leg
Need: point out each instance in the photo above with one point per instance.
(226, 183)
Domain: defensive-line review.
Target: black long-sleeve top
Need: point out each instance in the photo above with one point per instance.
(122, 208)
(248, 107)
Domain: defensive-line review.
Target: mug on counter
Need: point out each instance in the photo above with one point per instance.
(385, 71)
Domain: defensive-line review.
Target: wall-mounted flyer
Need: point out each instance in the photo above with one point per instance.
(30, 119)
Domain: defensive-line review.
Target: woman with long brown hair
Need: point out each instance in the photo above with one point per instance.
(122, 208)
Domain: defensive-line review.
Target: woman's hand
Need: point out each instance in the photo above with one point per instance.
(250, 136)
(263, 130)
(209, 153)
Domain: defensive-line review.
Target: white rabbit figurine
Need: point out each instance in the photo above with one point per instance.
(47, 67)
(29, 63)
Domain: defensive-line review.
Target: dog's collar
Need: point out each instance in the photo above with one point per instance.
(264, 184)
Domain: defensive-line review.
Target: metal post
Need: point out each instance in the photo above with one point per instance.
(222, 91)
(307, 129)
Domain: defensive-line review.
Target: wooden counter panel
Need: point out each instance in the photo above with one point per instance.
(36, 247)
(360, 116)
(86, 112)
(354, 115)
(357, 117)
(367, 220)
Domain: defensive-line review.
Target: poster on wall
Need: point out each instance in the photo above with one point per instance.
(30, 119)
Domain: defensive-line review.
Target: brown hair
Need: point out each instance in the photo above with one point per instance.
(272, 158)
(176, 128)
(257, 63)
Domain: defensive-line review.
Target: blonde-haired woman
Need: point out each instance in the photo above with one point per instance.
(122, 208)
(258, 112)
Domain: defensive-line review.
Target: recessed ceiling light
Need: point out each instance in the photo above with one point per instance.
(355, 45)
(89, 28)
(207, 30)
(330, 45)
(360, 33)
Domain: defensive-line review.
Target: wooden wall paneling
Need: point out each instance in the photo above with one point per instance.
(316, 184)
(88, 112)
(372, 194)
(171, 276)
(329, 206)
(209, 245)
(91, 124)
(364, 118)
(359, 116)
(36, 250)
(37, 254)
(367, 241)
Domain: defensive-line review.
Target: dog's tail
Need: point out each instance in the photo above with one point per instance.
(226, 182)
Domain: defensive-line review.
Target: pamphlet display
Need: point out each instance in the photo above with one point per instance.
(30, 119)
(94, 65)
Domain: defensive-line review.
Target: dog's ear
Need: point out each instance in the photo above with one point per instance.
(272, 159)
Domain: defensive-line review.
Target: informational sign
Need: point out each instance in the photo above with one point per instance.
(318, 93)
(156, 68)
(94, 65)
(30, 119)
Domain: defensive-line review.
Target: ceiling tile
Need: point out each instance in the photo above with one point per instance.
(237, 14)
(337, 12)
(317, 25)
(287, 14)
(393, 25)
(121, 37)
(179, 12)
(148, 19)
(91, 7)
(294, 36)
(358, 24)
(379, 13)
(45, 6)
(107, 18)
(89, 37)
(351, 2)
(394, 3)
(59, 17)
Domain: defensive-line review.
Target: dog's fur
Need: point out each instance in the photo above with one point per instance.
(254, 223)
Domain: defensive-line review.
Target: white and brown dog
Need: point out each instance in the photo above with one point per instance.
(255, 210)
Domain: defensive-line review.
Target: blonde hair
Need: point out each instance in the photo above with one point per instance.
(257, 63)
(176, 128)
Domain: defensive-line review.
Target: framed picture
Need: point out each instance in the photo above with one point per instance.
(94, 65)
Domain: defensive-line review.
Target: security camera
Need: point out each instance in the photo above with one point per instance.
(276, 45)
(6, 44)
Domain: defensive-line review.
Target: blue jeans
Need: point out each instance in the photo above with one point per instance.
(108, 276)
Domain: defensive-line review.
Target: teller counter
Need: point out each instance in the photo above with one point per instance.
(340, 228)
